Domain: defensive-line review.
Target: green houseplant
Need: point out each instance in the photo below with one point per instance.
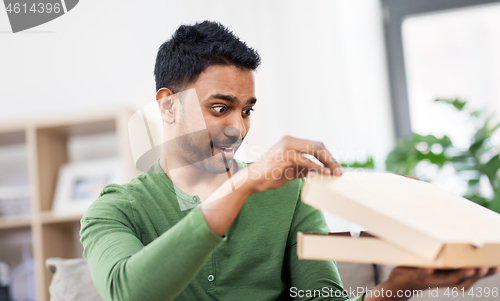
(479, 160)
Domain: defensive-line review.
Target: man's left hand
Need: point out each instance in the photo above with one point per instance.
(408, 278)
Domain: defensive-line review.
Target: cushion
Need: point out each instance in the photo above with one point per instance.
(71, 280)
(356, 277)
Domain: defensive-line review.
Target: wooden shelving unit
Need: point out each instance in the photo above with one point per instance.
(17, 221)
(46, 140)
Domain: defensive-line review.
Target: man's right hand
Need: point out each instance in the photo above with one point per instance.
(285, 161)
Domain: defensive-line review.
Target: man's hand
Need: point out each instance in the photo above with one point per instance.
(285, 161)
(409, 279)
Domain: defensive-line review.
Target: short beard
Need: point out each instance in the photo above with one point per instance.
(203, 158)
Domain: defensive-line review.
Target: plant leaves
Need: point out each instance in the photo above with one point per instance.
(480, 158)
(457, 103)
(366, 164)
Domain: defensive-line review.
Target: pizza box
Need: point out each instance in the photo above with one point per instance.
(409, 222)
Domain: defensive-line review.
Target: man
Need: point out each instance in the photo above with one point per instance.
(199, 225)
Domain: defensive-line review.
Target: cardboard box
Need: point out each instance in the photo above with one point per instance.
(409, 222)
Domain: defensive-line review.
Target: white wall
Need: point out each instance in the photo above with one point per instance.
(322, 76)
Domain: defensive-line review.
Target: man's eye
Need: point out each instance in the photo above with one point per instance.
(248, 111)
(219, 109)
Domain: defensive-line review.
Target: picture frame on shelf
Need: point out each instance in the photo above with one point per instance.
(15, 200)
(80, 183)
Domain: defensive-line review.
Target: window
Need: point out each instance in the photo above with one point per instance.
(447, 49)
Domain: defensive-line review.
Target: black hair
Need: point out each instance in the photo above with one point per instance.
(193, 48)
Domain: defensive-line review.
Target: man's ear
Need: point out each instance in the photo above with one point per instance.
(166, 102)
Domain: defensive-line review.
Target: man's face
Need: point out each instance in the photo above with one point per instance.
(226, 97)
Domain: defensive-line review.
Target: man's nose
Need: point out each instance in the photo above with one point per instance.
(235, 128)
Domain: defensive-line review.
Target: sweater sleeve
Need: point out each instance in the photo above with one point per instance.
(311, 275)
(122, 268)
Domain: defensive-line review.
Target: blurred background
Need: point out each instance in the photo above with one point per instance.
(362, 76)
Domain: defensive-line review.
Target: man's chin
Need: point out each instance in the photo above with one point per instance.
(216, 165)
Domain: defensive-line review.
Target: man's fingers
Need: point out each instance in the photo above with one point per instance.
(467, 283)
(472, 276)
(303, 162)
(493, 271)
(450, 277)
(488, 271)
(318, 150)
(483, 271)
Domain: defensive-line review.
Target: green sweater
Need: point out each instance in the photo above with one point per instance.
(141, 247)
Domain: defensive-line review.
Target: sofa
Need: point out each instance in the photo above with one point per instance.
(71, 281)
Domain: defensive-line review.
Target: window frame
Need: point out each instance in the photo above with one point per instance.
(394, 13)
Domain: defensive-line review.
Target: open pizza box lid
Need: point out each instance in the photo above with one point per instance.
(409, 222)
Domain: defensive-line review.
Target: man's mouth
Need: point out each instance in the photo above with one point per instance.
(226, 151)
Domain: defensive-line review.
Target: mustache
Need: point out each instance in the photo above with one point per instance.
(225, 136)
(235, 143)
(204, 150)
